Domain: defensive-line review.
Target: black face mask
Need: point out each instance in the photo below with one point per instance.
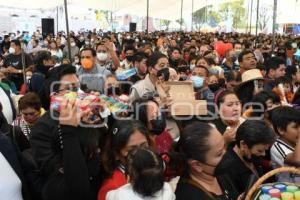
(113, 91)
(158, 125)
(183, 78)
(219, 169)
(281, 55)
(165, 73)
(129, 58)
(256, 160)
(214, 87)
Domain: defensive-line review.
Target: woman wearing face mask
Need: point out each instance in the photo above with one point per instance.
(74, 49)
(202, 147)
(55, 50)
(149, 113)
(228, 114)
(43, 63)
(31, 110)
(25, 87)
(124, 136)
(158, 70)
(112, 88)
(253, 139)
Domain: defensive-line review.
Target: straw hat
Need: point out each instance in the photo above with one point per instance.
(250, 75)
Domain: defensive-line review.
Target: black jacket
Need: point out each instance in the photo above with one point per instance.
(65, 171)
(24, 169)
(188, 189)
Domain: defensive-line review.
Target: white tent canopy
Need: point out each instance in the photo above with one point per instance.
(82, 11)
(163, 9)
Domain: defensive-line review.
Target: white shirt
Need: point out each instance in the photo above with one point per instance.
(279, 151)
(10, 184)
(126, 193)
(6, 106)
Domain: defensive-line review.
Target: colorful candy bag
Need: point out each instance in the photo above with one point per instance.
(115, 105)
(86, 101)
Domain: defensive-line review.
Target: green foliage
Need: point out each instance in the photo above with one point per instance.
(236, 9)
(211, 14)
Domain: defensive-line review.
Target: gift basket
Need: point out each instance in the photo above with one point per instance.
(275, 191)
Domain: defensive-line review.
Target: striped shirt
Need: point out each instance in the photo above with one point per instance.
(279, 151)
(25, 127)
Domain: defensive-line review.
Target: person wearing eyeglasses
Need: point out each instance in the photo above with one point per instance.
(30, 111)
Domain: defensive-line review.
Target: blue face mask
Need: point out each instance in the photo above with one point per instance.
(197, 81)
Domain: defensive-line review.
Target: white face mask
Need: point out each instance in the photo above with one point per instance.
(11, 50)
(28, 78)
(73, 44)
(192, 66)
(102, 56)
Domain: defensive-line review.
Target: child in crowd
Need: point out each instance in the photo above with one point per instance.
(145, 171)
(284, 89)
(286, 150)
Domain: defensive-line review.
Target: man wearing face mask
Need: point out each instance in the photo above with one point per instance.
(35, 46)
(140, 64)
(230, 62)
(175, 58)
(201, 89)
(107, 57)
(158, 70)
(13, 63)
(253, 139)
(129, 53)
(74, 49)
(81, 41)
(91, 74)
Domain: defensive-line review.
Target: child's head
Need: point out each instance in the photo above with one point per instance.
(146, 171)
(285, 83)
(286, 123)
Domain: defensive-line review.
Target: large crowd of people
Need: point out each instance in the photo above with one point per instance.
(252, 125)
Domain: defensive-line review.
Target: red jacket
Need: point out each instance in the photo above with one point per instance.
(117, 180)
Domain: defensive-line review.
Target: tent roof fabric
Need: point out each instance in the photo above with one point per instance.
(164, 9)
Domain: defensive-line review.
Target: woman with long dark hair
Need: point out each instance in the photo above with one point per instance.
(124, 136)
(202, 147)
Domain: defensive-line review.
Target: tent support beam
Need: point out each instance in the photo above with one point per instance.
(251, 10)
(147, 19)
(257, 18)
(68, 31)
(274, 25)
(248, 8)
(181, 15)
(57, 19)
(192, 16)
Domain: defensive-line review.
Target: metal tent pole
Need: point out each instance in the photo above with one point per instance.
(274, 25)
(147, 22)
(181, 15)
(192, 16)
(251, 15)
(256, 27)
(67, 27)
